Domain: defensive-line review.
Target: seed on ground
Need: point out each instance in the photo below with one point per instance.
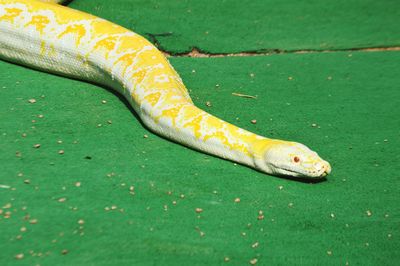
(19, 256)
(226, 259)
(253, 261)
(237, 200)
(329, 252)
(62, 199)
(78, 184)
(23, 229)
(32, 100)
(145, 136)
(61, 152)
(254, 121)
(254, 245)
(64, 251)
(103, 101)
(208, 103)
(33, 221)
(36, 146)
(27, 181)
(81, 221)
(369, 213)
(199, 210)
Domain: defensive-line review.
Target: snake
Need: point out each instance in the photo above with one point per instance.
(48, 36)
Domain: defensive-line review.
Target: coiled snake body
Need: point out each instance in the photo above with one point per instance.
(60, 40)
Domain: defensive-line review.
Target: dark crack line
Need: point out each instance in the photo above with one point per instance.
(196, 52)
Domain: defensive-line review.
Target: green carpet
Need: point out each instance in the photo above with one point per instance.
(259, 25)
(115, 197)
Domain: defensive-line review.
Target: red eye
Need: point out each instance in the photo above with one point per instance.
(296, 159)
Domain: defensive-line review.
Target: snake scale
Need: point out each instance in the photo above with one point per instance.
(54, 38)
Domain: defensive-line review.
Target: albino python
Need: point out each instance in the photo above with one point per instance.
(53, 38)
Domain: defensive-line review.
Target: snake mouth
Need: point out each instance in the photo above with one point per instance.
(289, 172)
(306, 174)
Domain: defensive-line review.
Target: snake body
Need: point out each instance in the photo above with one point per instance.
(60, 40)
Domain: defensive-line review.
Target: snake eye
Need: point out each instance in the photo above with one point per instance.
(296, 159)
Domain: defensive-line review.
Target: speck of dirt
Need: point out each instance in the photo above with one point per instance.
(19, 256)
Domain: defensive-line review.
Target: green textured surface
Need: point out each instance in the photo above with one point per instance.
(352, 97)
(356, 110)
(261, 25)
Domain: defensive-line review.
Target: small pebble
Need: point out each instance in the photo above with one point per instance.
(253, 261)
(19, 256)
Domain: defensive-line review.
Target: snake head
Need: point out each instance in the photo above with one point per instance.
(293, 159)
